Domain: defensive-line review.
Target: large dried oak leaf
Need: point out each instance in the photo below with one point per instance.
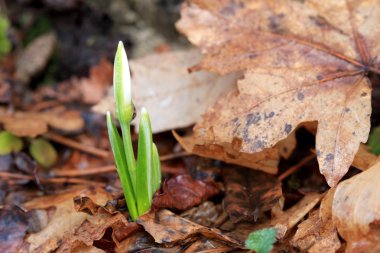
(303, 61)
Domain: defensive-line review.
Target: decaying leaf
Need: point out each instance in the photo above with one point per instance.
(94, 227)
(94, 87)
(305, 61)
(169, 229)
(183, 192)
(266, 160)
(37, 122)
(249, 193)
(318, 233)
(364, 159)
(356, 211)
(64, 220)
(293, 215)
(173, 97)
(35, 56)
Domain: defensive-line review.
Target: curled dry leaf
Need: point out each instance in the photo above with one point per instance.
(356, 211)
(318, 233)
(305, 61)
(34, 58)
(64, 219)
(249, 193)
(173, 97)
(169, 228)
(266, 160)
(94, 227)
(184, 192)
(32, 124)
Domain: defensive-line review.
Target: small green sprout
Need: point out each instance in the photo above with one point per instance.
(142, 178)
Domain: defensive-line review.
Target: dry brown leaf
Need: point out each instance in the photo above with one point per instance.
(356, 211)
(32, 124)
(303, 61)
(35, 57)
(364, 159)
(249, 193)
(266, 160)
(183, 192)
(293, 215)
(94, 87)
(318, 233)
(64, 221)
(173, 97)
(169, 229)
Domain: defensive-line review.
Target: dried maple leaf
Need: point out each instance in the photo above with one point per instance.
(266, 160)
(303, 61)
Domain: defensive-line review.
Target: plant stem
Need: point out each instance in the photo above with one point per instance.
(129, 154)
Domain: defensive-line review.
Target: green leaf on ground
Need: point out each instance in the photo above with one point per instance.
(9, 143)
(261, 241)
(43, 152)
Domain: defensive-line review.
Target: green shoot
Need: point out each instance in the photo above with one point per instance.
(141, 179)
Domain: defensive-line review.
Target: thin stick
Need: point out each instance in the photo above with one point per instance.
(7, 175)
(76, 145)
(296, 167)
(173, 156)
(220, 249)
(85, 172)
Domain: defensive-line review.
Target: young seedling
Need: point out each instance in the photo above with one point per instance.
(142, 178)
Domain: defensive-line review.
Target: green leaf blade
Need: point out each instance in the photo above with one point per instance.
(144, 164)
(261, 241)
(156, 165)
(122, 167)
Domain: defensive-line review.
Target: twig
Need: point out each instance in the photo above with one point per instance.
(173, 156)
(76, 145)
(217, 250)
(296, 167)
(85, 172)
(7, 175)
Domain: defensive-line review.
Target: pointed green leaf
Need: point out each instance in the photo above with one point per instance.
(9, 143)
(122, 86)
(156, 164)
(261, 241)
(121, 165)
(43, 152)
(144, 164)
(129, 154)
